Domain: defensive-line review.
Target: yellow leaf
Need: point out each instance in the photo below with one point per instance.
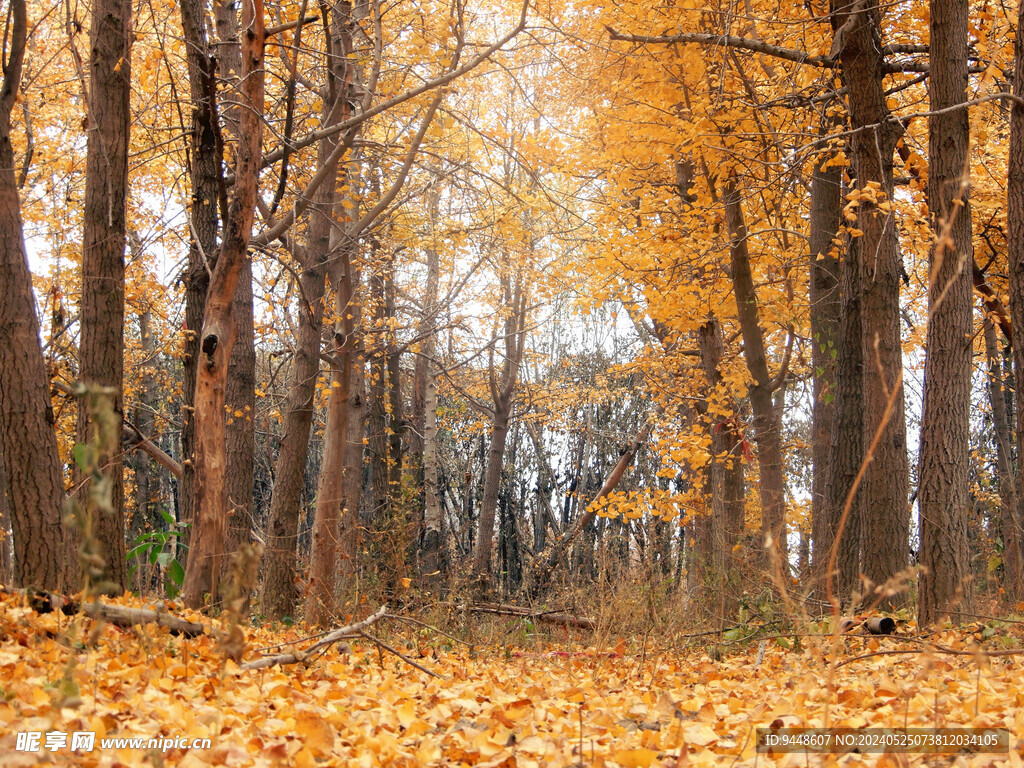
(635, 758)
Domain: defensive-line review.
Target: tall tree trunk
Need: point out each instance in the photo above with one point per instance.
(430, 544)
(502, 389)
(146, 480)
(352, 482)
(28, 443)
(767, 421)
(280, 592)
(727, 482)
(218, 332)
(204, 173)
(1010, 524)
(101, 341)
(846, 449)
(240, 385)
(944, 583)
(885, 551)
(826, 205)
(1015, 249)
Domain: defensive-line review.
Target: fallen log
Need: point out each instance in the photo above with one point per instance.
(118, 615)
(549, 617)
(123, 616)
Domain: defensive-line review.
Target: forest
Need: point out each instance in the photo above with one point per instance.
(578, 321)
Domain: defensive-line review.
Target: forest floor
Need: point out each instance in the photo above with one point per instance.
(530, 703)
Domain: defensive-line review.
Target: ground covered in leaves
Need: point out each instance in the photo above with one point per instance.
(640, 703)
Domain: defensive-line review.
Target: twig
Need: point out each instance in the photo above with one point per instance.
(417, 622)
(353, 630)
(380, 643)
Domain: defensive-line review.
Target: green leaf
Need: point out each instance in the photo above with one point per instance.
(782, 643)
(176, 573)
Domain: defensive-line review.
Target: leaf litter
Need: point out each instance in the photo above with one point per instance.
(557, 705)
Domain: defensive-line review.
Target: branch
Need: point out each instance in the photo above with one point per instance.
(278, 28)
(352, 630)
(730, 41)
(551, 617)
(135, 438)
(384, 106)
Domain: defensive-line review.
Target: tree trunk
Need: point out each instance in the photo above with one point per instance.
(846, 449)
(514, 295)
(1015, 249)
(826, 204)
(240, 385)
(767, 422)
(146, 515)
(351, 526)
(885, 504)
(28, 443)
(430, 546)
(280, 592)
(1010, 525)
(320, 604)
(727, 482)
(218, 332)
(944, 583)
(101, 344)
(204, 172)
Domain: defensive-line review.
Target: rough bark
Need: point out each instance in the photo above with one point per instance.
(846, 449)
(857, 42)
(430, 544)
(204, 172)
(320, 603)
(944, 582)
(240, 385)
(727, 483)
(28, 443)
(826, 204)
(767, 422)
(280, 591)
(1015, 245)
(1010, 524)
(104, 237)
(218, 332)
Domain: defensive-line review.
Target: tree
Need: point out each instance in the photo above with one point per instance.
(886, 512)
(1015, 243)
(945, 447)
(28, 444)
(218, 330)
(502, 387)
(101, 346)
